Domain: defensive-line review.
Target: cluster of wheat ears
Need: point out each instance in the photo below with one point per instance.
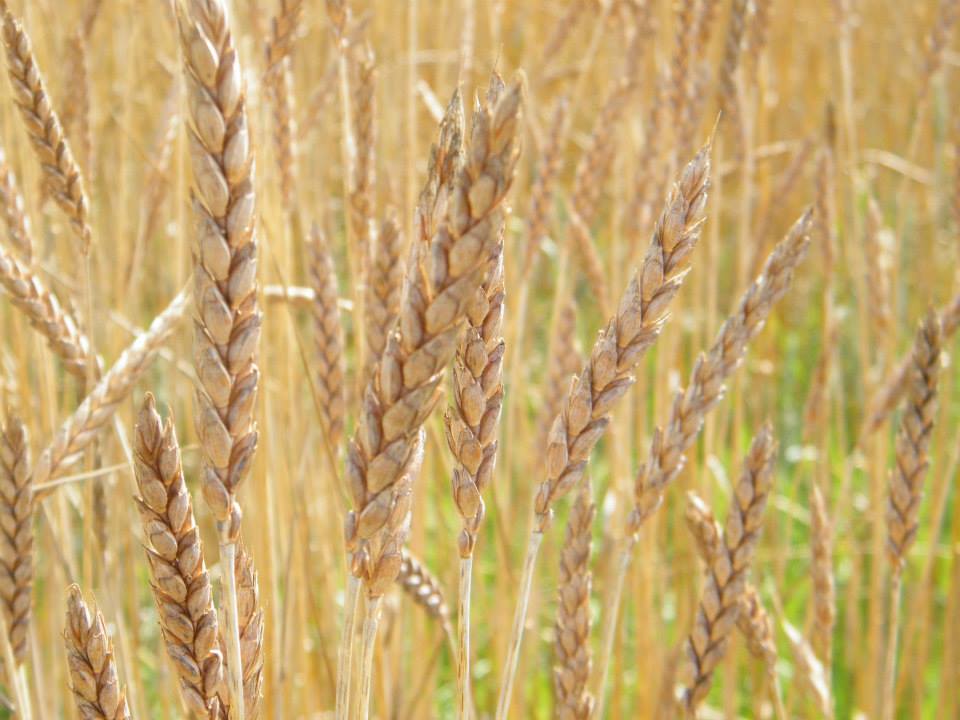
(367, 519)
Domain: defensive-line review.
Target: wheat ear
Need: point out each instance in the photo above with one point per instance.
(327, 337)
(668, 448)
(250, 625)
(279, 81)
(422, 587)
(727, 569)
(363, 184)
(45, 313)
(93, 669)
(14, 212)
(444, 163)
(46, 135)
(79, 430)
(384, 283)
(542, 192)
(606, 376)
(727, 80)
(572, 645)
(181, 584)
(16, 534)
(906, 480)
(821, 573)
(227, 322)
(443, 279)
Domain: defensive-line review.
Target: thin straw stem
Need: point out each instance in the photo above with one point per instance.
(370, 624)
(890, 664)
(463, 638)
(345, 652)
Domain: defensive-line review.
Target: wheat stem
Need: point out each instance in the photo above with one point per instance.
(463, 638)
(370, 624)
(890, 660)
(611, 614)
(345, 651)
(15, 679)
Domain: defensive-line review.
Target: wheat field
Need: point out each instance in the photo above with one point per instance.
(410, 359)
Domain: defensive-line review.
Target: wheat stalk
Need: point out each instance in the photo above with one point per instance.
(181, 584)
(80, 429)
(45, 313)
(227, 325)
(572, 644)
(46, 135)
(327, 337)
(606, 376)
(728, 567)
(906, 480)
(93, 669)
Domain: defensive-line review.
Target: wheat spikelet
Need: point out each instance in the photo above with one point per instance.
(893, 388)
(60, 169)
(45, 313)
(821, 572)
(181, 584)
(79, 430)
(250, 621)
(720, 602)
(879, 242)
(13, 211)
(473, 420)
(16, 534)
(564, 359)
(443, 279)
(727, 80)
(542, 192)
(621, 345)
(422, 587)
(93, 670)
(913, 441)
(384, 283)
(327, 337)
(227, 324)
(446, 158)
(572, 644)
(666, 457)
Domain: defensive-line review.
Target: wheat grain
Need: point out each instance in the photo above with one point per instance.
(181, 584)
(46, 135)
(720, 602)
(327, 337)
(572, 644)
(16, 534)
(93, 670)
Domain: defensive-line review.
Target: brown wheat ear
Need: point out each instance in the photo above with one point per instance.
(727, 573)
(572, 646)
(16, 534)
(422, 587)
(384, 283)
(181, 584)
(60, 170)
(93, 669)
(13, 211)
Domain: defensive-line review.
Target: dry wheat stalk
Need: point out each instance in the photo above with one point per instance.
(542, 192)
(181, 584)
(810, 670)
(606, 376)
(727, 569)
(384, 283)
(893, 388)
(667, 448)
(79, 430)
(60, 169)
(227, 322)
(13, 211)
(564, 359)
(16, 534)
(327, 337)
(572, 644)
(422, 587)
(45, 313)
(821, 573)
(279, 83)
(93, 670)
(906, 480)
(443, 279)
